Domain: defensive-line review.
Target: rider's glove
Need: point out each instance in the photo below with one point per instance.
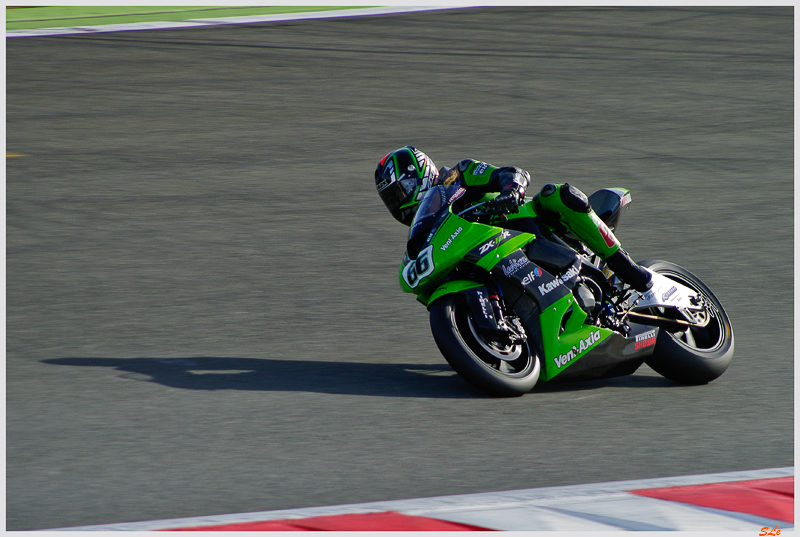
(509, 199)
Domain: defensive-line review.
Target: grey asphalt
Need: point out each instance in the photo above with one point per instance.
(203, 313)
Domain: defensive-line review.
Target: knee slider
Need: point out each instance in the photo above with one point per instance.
(574, 199)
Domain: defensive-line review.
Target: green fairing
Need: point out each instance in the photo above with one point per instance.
(451, 287)
(455, 238)
(563, 349)
(452, 241)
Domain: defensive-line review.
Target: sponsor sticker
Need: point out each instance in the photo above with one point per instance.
(549, 286)
(647, 339)
(457, 194)
(669, 293)
(384, 184)
(532, 275)
(485, 305)
(583, 346)
(447, 244)
(514, 265)
(609, 237)
(571, 273)
(480, 168)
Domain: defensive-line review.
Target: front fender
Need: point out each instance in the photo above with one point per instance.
(477, 297)
(455, 286)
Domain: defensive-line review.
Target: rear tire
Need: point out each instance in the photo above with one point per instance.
(494, 368)
(695, 355)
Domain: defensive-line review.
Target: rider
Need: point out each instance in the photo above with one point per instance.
(405, 175)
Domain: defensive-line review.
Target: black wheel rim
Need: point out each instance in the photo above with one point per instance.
(518, 360)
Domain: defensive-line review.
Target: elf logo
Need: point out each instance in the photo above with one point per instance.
(532, 275)
(583, 346)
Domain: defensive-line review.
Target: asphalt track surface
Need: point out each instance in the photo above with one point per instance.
(203, 313)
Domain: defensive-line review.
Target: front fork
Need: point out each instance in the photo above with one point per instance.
(509, 329)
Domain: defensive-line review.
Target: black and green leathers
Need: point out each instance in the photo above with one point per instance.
(478, 178)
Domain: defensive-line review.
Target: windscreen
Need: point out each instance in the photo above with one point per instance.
(433, 202)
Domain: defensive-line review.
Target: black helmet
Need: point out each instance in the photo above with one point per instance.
(402, 178)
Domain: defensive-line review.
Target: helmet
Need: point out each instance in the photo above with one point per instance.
(402, 178)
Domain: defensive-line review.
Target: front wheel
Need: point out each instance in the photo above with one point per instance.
(491, 366)
(695, 355)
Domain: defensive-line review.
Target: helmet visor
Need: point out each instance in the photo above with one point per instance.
(397, 193)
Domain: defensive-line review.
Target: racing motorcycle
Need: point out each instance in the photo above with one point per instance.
(515, 299)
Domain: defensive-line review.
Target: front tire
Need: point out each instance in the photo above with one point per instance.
(492, 367)
(694, 355)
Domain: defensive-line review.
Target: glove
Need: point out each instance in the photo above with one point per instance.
(508, 201)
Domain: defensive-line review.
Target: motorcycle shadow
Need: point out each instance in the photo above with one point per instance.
(625, 381)
(346, 378)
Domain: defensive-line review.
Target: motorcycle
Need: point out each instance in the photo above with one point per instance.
(515, 299)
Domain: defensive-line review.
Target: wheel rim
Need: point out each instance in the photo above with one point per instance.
(508, 360)
(495, 348)
(708, 337)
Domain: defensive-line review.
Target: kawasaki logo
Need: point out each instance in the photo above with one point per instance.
(571, 273)
(549, 286)
(447, 244)
(583, 346)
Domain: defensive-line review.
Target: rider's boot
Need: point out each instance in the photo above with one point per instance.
(628, 271)
(572, 208)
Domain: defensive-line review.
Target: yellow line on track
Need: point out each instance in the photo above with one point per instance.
(11, 155)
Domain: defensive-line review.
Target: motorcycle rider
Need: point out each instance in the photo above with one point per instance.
(404, 176)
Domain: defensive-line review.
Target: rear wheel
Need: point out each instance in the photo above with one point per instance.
(492, 366)
(694, 355)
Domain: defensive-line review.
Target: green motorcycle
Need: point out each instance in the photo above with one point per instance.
(513, 301)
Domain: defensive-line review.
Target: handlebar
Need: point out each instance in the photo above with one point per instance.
(470, 209)
(487, 204)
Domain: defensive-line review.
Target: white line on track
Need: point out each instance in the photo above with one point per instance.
(250, 19)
